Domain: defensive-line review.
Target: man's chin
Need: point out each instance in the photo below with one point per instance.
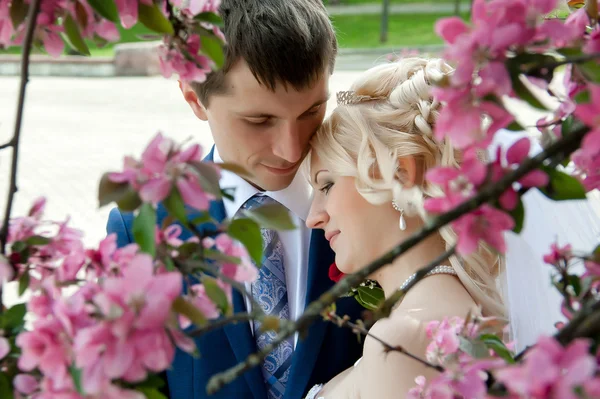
(272, 183)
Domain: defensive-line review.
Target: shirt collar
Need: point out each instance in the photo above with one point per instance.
(296, 197)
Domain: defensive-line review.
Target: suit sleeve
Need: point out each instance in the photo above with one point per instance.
(120, 224)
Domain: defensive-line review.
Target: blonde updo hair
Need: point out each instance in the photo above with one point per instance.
(395, 118)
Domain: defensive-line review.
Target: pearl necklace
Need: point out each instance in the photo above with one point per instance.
(442, 269)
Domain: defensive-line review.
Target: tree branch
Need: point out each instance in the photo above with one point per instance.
(9, 144)
(34, 8)
(343, 322)
(487, 193)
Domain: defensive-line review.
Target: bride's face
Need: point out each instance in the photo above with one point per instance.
(356, 229)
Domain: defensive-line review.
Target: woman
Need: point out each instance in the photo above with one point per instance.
(367, 165)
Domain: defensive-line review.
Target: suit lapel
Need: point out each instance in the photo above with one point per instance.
(239, 335)
(307, 349)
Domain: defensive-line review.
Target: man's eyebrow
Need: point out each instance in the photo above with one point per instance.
(266, 115)
(253, 115)
(318, 102)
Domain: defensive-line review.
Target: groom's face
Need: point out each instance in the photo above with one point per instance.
(266, 132)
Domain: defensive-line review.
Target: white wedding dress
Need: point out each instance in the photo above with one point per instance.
(533, 303)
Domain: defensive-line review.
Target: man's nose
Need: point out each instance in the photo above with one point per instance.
(288, 144)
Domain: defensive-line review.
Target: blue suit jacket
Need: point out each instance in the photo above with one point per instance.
(319, 356)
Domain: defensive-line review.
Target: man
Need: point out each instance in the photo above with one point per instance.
(262, 108)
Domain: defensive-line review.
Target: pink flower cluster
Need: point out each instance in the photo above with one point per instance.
(118, 328)
(587, 158)
(164, 166)
(550, 370)
(243, 272)
(486, 223)
(48, 248)
(48, 30)
(480, 51)
(118, 325)
(184, 59)
(464, 375)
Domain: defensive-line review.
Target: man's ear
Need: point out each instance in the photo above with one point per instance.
(407, 171)
(192, 99)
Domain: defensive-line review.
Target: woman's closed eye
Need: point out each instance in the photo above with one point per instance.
(326, 187)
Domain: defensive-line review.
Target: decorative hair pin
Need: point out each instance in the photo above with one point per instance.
(350, 97)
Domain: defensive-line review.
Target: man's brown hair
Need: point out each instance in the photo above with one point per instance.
(282, 41)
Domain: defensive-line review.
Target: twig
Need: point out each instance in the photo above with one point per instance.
(34, 8)
(551, 66)
(9, 144)
(343, 322)
(487, 193)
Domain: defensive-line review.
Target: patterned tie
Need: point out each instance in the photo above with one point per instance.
(270, 292)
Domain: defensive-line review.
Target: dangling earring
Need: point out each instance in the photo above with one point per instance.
(402, 223)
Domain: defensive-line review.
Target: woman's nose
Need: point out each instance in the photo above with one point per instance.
(317, 217)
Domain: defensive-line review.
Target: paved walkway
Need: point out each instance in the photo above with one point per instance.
(407, 8)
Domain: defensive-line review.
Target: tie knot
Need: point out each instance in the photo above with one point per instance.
(258, 200)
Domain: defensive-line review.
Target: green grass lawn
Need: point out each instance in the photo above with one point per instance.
(361, 31)
(353, 31)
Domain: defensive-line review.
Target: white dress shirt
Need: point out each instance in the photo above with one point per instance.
(296, 243)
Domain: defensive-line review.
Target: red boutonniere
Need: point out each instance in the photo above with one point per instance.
(334, 273)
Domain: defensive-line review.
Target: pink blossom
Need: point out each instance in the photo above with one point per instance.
(108, 31)
(451, 28)
(559, 34)
(592, 45)
(128, 11)
(550, 370)
(444, 339)
(589, 113)
(519, 152)
(558, 253)
(6, 270)
(6, 27)
(579, 20)
(155, 190)
(40, 305)
(245, 271)
(37, 209)
(164, 166)
(587, 160)
(199, 299)
(25, 384)
(172, 61)
(438, 389)
(53, 43)
(148, 294)
(4, 347)
(46, 349)
(192, 193)
(494, 80)
(485, 224)
(458, 185)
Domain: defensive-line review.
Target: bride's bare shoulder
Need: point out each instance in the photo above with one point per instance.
(392, 373)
